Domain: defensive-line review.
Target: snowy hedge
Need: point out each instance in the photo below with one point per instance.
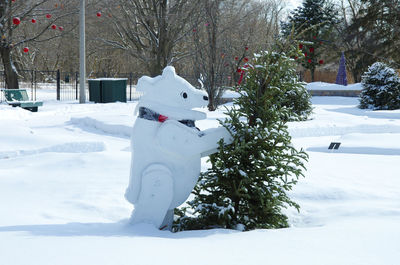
(381, 88)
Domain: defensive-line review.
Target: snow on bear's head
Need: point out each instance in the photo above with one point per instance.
(172, 96)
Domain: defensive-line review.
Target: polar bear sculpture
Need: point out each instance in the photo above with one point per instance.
(167, 147)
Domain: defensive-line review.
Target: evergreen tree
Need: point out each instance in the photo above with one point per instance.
(373, 35)
(341, 78)
(313, 24)
(381, 88)
(246, 186)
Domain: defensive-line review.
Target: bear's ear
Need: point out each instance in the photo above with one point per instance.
(169, 72)
(144, 84)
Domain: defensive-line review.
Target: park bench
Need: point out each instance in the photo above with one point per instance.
(19, 98)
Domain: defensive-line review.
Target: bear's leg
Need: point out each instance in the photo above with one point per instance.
(155, 196)
(168, 220)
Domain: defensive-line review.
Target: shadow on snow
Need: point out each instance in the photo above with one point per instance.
(120, 229)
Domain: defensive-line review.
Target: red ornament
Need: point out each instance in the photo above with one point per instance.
(53, 26)
(194, 30)
(238, 70)
(246, 48)
(305, 54)
(300, 46)
(16, 21)
(314, 37)
(13, 0)
(309, 60)
(245, 59)
(61, 28)
(98, 14)
(162, 118)
(296, 57)
(321, 62)
(33, 20)
(312, 49)
(48, 15)
(236, 58)
(320, 42)
(26, 49)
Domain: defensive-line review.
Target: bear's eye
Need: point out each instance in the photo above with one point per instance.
(184, 95)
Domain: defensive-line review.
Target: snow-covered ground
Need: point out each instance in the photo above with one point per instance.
(64, 170)
(329, 86)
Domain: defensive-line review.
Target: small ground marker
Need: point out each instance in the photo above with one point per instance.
(334, 145)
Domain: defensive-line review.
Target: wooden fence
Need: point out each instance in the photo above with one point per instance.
(325, 76)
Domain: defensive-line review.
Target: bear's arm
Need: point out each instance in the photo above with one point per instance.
(175, 137)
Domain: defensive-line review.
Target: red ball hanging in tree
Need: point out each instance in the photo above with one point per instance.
(53, 26)
(311, 49)
(321, 62)
(245, 59)
(48, 15)
(26, 49)
(309, 60)
(236, 58)
(238, 70)
(16, 21)
(300, 46)
(61, 28)
(246, 48)
(98, 14)
(33, 20)
(305, 54)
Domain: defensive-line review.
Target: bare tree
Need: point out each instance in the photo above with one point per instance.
(227, 34)
(150, 30)
(23, 22)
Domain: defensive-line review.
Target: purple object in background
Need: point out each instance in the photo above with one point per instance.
(341, 78)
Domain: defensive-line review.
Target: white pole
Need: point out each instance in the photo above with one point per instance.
(82, 55)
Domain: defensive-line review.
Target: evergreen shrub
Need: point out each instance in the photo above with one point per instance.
(380, 88)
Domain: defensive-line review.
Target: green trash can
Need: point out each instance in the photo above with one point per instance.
(106, 90)
(94, 90)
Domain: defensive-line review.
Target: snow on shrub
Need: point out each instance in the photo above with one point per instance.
(381, 88)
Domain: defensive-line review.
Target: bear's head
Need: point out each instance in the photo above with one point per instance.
(172, 96)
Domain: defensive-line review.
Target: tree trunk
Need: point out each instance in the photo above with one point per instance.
(211, 104)
(10, 73)
(312, 70)
(154, 68)
(212, 30)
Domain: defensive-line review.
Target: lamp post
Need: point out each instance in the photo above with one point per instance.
(82, 55)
